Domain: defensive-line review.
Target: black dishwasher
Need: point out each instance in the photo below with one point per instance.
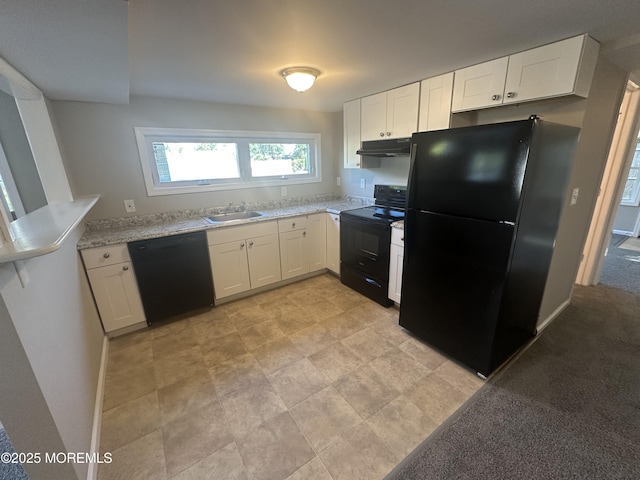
(173, 274)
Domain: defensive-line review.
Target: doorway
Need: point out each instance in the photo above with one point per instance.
(597, 266)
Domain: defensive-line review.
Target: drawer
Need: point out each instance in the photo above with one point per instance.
(397, 236)
(292, 223)
(220, 235)
(103, 256)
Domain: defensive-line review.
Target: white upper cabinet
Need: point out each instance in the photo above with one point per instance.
(391, 114)
(373, 115)
(435, 102)
(561, 68)
(479, 86)
(351, 113)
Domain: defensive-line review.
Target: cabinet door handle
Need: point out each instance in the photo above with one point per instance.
(388, 134)
(242, 245)
(250, 244)
(293, 225)
(511, 94)
(304, 234)
(495, 97)
(402, 239)
(106, 255)
(125, 268)
(382, 134)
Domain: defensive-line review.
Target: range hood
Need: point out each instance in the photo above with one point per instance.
(386, 148)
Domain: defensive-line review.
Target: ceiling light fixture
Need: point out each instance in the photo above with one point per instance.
(300, 78)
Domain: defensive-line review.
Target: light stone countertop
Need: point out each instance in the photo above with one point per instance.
(115, 232)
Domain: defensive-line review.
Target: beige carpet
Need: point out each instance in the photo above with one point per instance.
(631, 243)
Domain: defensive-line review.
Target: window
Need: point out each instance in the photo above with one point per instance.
(185, 161)
(631, 193)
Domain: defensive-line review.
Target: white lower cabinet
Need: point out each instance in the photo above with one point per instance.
(264, 260)
(244, 257)
(395, 264)
(333, 242)
(114, 286)
(294, 253)
(317, 241)
(230, 267)
(250, 256)
(303, 244)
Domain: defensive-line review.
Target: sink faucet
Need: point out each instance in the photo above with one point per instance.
(230, 207)
(243, 206)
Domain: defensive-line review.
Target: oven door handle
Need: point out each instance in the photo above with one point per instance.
(383, 227)
(373, 282)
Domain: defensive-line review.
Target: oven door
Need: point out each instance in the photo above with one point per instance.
(365, 246)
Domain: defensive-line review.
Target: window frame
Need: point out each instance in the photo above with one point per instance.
(634, 201)
(145, 136)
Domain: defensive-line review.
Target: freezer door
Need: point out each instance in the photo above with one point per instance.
(475, 172)
(454, 275)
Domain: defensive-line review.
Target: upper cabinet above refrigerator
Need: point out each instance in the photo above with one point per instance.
(561, 68)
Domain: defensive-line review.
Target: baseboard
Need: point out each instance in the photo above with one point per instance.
(541, 326)
(92, 473)
(272, 286)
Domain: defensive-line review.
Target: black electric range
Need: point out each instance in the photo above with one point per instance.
(365, 243)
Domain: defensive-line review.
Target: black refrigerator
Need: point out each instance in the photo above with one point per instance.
(483, 207)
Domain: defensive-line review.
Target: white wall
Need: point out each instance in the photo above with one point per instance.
(101, 154)
(392, 171)
(58, 342)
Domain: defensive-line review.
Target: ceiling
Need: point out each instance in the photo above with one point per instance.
(232, 51)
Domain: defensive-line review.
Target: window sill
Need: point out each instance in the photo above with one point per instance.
(45, 230)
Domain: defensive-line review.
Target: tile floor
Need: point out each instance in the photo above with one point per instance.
(308, 381)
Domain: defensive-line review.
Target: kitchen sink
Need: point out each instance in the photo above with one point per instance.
(227, 217)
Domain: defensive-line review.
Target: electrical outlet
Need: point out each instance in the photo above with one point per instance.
(283, 191)
(574, 196)
(363, 184)
(338, 181)
(129, 206)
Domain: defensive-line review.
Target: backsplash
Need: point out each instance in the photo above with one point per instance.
(155, 218)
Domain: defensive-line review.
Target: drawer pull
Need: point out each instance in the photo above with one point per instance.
(106, 255)
(125, 268)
